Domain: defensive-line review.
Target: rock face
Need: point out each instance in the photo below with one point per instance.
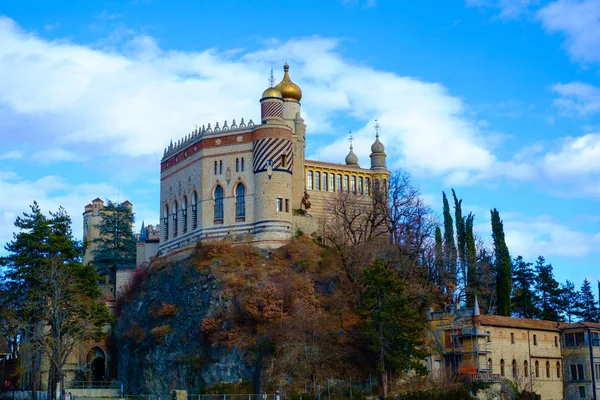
(159, 336)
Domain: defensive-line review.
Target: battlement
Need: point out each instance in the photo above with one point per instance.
(199, 133)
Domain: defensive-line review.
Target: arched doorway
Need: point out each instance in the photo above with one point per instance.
(97, 363)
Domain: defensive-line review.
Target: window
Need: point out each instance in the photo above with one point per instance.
(558, 369)
(331, 183)
(216, 166)
(279, 204)
(287, 205)
(580, 372)
(582, 392)
(502, 367)
(220, 167)
(573, 372)
(512, 338)
(360, 185)
(376, 186)
(166, 222)
(175, 211)
(489, 336)
(490, 365)
(218, 204)
(595, 338)
(597, 370)
(283, 161)
(309, 180)
(574, 339)
(237, 165)
(555, 341)
(577, 372)
(240, 203)
(339, 183)
(317, 181)
(353, 184)
(514, 368)
(547, 369)
(367, 186)
(535, 340)
(325, 181)
(346, 183)
(537, 369)
(194, 210)
(525, 368)
(242, 164)
(184, 220)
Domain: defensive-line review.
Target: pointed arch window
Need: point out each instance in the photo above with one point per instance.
(218, 204)
(525, 368)
(194, 210)
(240, 203)
(242, 164)
(220, 167)
(514, 368)
(502, 367)
(184, 218)
(166, 222)
(547, 369)
(175, 211)
(537, 369)
(237, 165)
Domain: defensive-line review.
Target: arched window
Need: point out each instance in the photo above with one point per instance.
(237, 165)
(346, 183)
(547, 369)
(339, 183)
(525, 368)
(216, 166)
(537, 369)
(353, 184)
(175, 211)
(194, 210)
(331, 182)
(490, 365)
(558, 369)
(317, 180)
(324, 181)
(309, 180)
(240, 203)
(502, 367)
(514, 368)
(376, 185)
(220, 167)
(219, 205)
(360, 185)
(184, 219)
(242, 164)
(368, 186)
(166, 222)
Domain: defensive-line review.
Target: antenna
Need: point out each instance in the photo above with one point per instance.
(271, 79)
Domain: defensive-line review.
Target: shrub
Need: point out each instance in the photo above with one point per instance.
(164, 310)
(160, 332)
(136, 333)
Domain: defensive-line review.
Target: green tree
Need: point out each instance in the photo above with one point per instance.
(503, 266)
(439, 256)
(569, 301)
(471, 261)
(449, 248)
(524, 298)
(548, 291)
(115, 246)
(54, 298)
(391, 326)
(587, 306)
(461, 239)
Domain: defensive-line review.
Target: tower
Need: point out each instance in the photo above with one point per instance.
(351, 158)
(378, 163)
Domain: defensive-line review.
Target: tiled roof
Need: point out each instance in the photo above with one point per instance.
(97, 199)
(3, 347)
(575, 325)
(497, 320)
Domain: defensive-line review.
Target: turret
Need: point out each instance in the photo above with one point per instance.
(351, 158)
(378, 156)
(271, 104)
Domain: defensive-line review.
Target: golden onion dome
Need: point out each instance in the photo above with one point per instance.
(272, 92)
(289, 89)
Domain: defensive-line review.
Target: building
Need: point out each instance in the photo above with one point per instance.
(251, 182)
(492, 348)
(581, 355)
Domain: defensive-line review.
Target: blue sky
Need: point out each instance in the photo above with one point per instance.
(499, 99)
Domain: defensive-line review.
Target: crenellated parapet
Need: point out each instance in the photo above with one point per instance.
(205, 131)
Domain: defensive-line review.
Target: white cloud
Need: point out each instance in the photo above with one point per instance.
(543, 235)
(508, 9)
(56, 155)
(11, 155)
(579, 22)
(577, 156)
(577, 97)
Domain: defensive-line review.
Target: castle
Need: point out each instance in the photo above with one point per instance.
(251, 182)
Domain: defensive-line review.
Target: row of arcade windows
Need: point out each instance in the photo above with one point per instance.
(173, 213)
(329, 182)
(515, 372)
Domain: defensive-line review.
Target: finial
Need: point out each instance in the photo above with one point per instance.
(271, 79)
(286, 67)
(376, 129)
(350, 139)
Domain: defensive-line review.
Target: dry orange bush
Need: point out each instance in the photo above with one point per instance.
(161, 331)
(136, 333)
(164, 310)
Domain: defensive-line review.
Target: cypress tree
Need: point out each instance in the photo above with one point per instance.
(587, 306)
(449, 246)
(503, 266)
(548, 291)
(439, 256)
(461, 240)
(524, 298)
(471, 261)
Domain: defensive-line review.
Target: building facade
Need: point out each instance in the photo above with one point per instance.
(581, 354)
(251, 182)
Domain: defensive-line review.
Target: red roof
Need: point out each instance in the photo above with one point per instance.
(497, 320)
(127, 202)
(97, 199)
(575, 325)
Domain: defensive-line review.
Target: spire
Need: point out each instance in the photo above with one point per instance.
(271, 79)
(476, 308)
(143, 235)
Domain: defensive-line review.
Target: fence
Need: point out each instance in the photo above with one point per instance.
(93, 385)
